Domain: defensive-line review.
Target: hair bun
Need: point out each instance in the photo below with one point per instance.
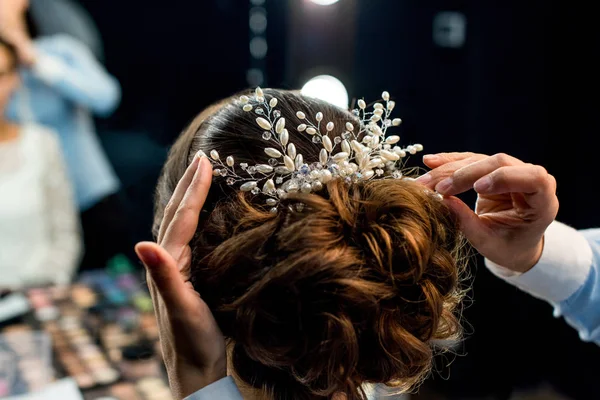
(360, 284)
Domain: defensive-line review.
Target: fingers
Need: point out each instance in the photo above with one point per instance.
(25, 48)
(464, 178)
(18, 37)
(177, 196)
(163, 272)
(185, 220)
(27, 54)
(536, 184)
(447, 168)
(471, 225)
(436, 160)
(460, 176)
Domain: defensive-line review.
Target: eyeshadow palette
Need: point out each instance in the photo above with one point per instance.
(25, 361)
(101, 332)
(79, 355)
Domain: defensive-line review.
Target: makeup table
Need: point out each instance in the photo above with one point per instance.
(100, 331)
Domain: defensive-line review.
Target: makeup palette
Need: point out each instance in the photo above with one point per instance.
(79, 355)
(144, 389)
(154, 389)
(140, 361)
(25, 361)
(83, 296)
(125, 391)
(100, 331)
(114, 338)
(43, 305)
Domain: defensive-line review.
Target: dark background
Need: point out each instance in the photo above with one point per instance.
(524, 83)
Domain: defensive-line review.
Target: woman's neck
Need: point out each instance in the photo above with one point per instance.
(8, 131)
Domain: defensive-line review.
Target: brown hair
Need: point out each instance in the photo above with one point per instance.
(354, 289)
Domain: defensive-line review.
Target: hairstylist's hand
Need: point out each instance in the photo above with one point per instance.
(13, 29)
(192, 344)
(516, 203)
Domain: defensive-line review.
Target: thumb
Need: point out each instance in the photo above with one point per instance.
(470, 223)
(24, 46)
(27, 54)
(163, 271)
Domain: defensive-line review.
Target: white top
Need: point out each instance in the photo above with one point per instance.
(562, 270)
(40, 241)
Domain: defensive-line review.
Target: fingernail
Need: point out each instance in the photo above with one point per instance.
(430, 158)
(444, 185)
(200, 154)
(194, 163)
(202, 167)
(483, 184)
(147, 256)
(424, 179)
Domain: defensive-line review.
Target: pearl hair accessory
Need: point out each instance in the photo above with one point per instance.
(352, 153)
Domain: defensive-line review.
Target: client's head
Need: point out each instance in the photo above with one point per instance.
(354, 286)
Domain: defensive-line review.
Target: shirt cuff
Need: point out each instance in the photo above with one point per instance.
(562, 269)
(223, 389)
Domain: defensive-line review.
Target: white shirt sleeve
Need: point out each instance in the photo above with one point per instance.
(563, 268)
(223, 389)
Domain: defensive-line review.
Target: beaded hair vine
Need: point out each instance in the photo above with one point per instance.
(352, 153)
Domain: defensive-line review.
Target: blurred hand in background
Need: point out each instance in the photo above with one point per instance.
(13, 28)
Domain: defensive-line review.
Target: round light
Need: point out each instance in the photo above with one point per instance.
(255, 77)
(327, 88)
(258, 47)
(258, 22)
(324, 2)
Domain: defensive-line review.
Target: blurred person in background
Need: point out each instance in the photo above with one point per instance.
(67, 17)
(64, 85)
(40, 240)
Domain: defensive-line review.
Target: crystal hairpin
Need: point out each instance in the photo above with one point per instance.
(358, 153)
